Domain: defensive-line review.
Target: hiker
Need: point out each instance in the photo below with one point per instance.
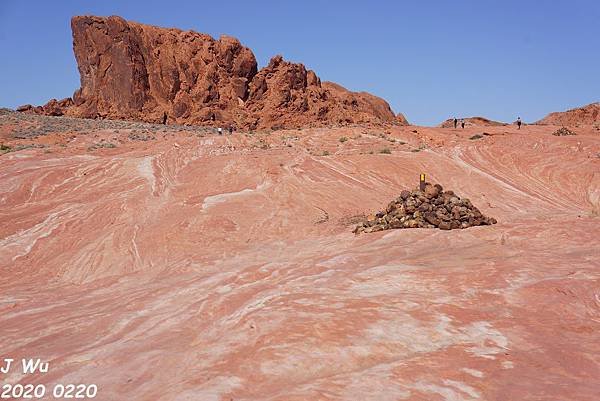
(230, 129)
(164, 118)
(220, 131)
(519, 123)
(455, 122)
(462, 123)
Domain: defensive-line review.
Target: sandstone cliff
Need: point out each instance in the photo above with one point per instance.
(133, 71)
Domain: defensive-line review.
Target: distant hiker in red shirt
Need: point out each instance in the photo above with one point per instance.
(519, 123)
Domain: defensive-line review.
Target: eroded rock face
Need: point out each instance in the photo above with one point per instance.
(586, 115)
(135, 71)
(287, 94)
(139, 72)
(52, 108)
(401, 119)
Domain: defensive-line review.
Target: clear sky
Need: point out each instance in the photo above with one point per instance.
(429, 59)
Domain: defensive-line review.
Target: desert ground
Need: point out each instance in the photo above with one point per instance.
(171, 263)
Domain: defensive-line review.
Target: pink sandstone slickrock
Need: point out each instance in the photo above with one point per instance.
(171, 263)
(133, 71)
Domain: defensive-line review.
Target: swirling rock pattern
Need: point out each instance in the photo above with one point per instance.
(197, 266)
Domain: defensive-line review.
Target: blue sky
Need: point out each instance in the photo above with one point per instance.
(429, 59)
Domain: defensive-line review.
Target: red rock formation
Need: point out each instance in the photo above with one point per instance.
(362, 102)
(401, 119)
(52, 108)
(135, 71)
(586, 115)
(479, 121)
(139, 72)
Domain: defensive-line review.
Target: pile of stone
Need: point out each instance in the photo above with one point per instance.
(433, 207)
(563, 132)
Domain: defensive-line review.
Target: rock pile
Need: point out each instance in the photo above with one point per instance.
(563, 132)
(430, 208)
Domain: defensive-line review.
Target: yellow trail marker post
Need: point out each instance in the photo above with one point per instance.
(422, 182)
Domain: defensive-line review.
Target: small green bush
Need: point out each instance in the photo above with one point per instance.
(385, 151)
(343, 139)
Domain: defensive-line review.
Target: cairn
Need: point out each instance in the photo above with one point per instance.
(563, 132)
(428, 208)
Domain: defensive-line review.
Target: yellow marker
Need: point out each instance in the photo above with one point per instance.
(422, 182)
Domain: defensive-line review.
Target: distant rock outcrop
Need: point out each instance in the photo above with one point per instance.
(133, 71)
(586, 115)
(52, 108)
(478, 121)
(401, 119)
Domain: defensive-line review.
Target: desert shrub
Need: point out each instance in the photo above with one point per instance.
(385, 151)
(106, 145)
(29, 146)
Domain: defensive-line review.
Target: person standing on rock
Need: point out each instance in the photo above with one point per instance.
(462, 123)
(455, 122)
(164, 120)
(518, 122)
(230, 129)
(220, 131)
